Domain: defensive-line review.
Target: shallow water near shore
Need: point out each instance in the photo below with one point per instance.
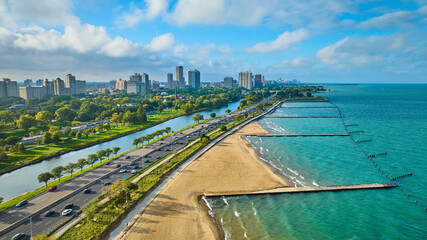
(394, 117)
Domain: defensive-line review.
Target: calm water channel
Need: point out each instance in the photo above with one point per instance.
(25, 179)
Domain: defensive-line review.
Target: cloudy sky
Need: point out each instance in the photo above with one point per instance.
(310, 40)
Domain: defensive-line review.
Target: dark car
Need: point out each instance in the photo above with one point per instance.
(147, 161)
(87, 190)
(118, 165)
(48, 213)
(107, 183)
(107, 163)
(145, 156)
(21, 203)
(53, 188)
(69, 206)
(135, 167)
(132, 163)
(127, 157)
(18, 236)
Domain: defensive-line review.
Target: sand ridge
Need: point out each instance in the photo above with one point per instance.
(231, 165)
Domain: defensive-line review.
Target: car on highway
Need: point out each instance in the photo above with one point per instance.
(132, 163)
(67, 212)
(48, 213)
(69, 206)
(133, 171)
(53, 188)
(87, 190)
(122, 170)
(118, 165)
(135, 167)
(107, 183)
(166, 150)
(21, 203)
(18, 236)
(147, 161)
(107, 163)
(127, 157)
(145, 156)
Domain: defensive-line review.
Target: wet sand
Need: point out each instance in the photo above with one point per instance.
(176, 213)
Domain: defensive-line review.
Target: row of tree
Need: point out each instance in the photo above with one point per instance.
(70, 168)
(151, 136)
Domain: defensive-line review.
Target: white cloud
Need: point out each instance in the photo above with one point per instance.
(85, 37)
(398, 19)
(120, 47)
(135, 15)
(364, 52)
(283, 42)
(51, 12)
(38, 38)
(161, 43)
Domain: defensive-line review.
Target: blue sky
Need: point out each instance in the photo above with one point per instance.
(312, 40)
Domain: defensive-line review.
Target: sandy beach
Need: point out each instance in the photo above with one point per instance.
(176, 213)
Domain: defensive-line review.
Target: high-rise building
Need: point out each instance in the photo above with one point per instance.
(49, 87)
(39, 82)
(80, 87)
(179, 71)
(8, 88)
(32, 92)
(70, 83)
(112, 84)
(28, 82)
(228, 82)
(145, 87)
(155, 85)
(121, 84)
(193, 78)
(258, 81)
(245, 80)
(58, 87)
(136, 77)
(170, 81)
(133, 87)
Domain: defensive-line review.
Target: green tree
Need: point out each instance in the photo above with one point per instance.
(26, 122)
(70, 167)
(58, 172)
(1, 200)
(136, 141)
(108, 152)
(81, 163)
(213, 115)
(44, 117)
(45, 177)
(115, 119)
(168, 130)
(100, 154)
(47, 138)
(223, 128)
(91, 159)
(116, 150)
(228, 111)
(65, 114)
(160, 108)
(197, 117)
(67, 131)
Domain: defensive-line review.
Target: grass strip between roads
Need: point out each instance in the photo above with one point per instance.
(100, 219)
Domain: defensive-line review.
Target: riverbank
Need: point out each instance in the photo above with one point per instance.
(231, 165)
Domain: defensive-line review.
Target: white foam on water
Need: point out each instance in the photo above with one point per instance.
(211, 212)
(293, 171)
(315, 184)
(236, 213)
(225, 200)
(300, 182)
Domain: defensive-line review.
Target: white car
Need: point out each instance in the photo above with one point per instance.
(133, 171)
(122, 170)
(67, 212)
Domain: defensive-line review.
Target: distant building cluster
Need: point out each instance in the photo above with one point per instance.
(42, 87)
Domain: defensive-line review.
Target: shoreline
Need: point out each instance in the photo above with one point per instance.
(179, 212)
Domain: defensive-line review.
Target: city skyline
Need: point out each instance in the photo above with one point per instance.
(314, 41)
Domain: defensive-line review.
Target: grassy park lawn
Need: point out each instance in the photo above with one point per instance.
(35, 150)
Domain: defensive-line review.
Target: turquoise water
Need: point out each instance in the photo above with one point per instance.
(292, 112)
(394, 117)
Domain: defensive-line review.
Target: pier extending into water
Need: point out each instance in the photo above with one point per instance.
(297, 135)
(304, 189)
(270, 116)
(307, 107)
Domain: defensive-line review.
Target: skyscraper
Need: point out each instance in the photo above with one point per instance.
(258, 81)
(121, 84)
(245, 80)
(112, 84)
(8, 88)
(193, 78)
(28, 82)
(134, 84)
(49, 87)
(32, 92)
(179, 71)
(170, 81)
(228, 82)
(58, 87)
(145, 87)
(70, 83)
(80, 87)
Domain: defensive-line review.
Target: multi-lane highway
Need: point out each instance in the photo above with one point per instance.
(30, 217)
